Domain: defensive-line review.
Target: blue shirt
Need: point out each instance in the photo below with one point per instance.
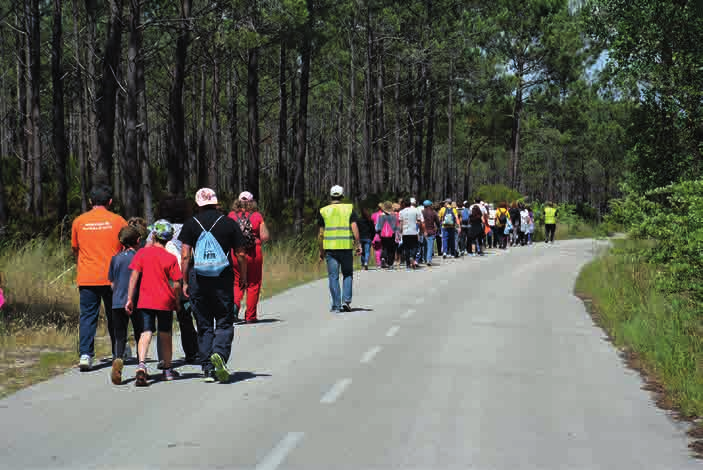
(119, 275)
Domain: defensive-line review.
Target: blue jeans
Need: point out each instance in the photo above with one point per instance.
(365, 251)
(429, 247)
(336, 260)
(90, 298)
(449, 241)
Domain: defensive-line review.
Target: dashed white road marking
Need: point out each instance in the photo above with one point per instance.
(370, 354)
(408, 314)
(279, 453)
(335, 392)
(392, 332)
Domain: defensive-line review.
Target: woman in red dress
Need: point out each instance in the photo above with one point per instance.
(245, 209)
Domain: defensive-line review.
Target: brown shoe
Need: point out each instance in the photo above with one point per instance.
(116, 375)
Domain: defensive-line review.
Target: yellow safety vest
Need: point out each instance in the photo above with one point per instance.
(550, 215)
(338, 234)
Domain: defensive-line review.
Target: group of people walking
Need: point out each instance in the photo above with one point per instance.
(404, 233)
(200, 266)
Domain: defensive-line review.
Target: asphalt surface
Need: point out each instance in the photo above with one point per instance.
(481, 363)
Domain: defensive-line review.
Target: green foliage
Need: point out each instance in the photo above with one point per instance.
(497, 193)
(663, 330)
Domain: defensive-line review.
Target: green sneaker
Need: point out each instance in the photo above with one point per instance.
(221, 371)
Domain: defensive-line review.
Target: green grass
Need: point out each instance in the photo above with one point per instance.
(39, 324)
(665, 332)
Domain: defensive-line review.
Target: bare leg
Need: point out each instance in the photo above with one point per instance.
(144, 342)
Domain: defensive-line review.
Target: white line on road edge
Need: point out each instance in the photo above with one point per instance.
(408, 314)
(335, 392)
(392, 331)
(279, 453)
(366, 358)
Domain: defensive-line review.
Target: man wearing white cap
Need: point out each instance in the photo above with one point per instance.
(339, 236)
(209, 239)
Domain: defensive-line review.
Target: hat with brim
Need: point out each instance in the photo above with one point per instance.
(387, 206)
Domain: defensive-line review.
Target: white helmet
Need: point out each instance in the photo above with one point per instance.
(337, 191)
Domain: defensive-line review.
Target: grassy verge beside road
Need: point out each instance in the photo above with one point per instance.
(39, 324)
(660, 334)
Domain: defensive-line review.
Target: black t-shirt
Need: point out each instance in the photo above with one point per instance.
(226, 231)
(514, 215)
(367, 229)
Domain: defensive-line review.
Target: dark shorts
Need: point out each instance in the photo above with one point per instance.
(165, 320)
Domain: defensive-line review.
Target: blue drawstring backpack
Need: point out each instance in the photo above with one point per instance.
(209, 259)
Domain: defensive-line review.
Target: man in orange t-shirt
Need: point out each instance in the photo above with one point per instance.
(94, 239)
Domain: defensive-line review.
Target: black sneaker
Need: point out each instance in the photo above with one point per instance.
(209, 376)
(346, 307)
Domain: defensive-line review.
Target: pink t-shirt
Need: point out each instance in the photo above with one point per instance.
(256, 220)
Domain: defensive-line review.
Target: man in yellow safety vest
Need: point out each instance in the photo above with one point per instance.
(550, 222)
(339, 238)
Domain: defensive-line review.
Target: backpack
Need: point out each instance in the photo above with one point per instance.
(209, 259)
(387, 230)
(465, 215)
(502, 218)
(247, 231)
(449, 218)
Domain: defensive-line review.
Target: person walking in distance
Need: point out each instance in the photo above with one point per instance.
(367, 232)
(550, 222)
(95, 240)
(450, 220)
(411, 226)
(209, 240)
(339, 235)
(386, 230)
(431, 226)
(246, 213)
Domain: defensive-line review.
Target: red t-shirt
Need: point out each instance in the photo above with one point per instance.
(256, 219)
(158, 267)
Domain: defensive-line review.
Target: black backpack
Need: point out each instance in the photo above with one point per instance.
(247, 231)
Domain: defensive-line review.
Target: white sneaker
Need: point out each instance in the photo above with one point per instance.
(86, 363)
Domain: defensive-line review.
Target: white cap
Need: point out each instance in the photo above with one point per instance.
(337, 191)
(413, 201)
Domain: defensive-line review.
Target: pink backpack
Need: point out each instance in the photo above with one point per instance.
(387, 231)
(2, 299)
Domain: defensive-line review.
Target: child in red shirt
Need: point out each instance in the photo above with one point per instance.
(160, 284)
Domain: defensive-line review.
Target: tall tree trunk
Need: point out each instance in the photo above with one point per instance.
(418, 124)
(429, 145)
(214, 155)
(108, 93)
(302, 133)
(515, 133)
(282, 177)
(353, 159)
(293, 144)
(385, 157)
(90, 84)
(176, 121)
(235, 172)
(81, 96)
(59, 132)
(450, 130)
(143, 139)
(21, 142)
(202, 150)
(366, 173)
(131, 168)
(397, 165)
(253, 122)
(336, 160)
(34, 99)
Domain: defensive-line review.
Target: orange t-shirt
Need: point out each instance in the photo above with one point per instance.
(95, 236)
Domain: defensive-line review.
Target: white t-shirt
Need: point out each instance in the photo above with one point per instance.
(410, 218)
(492, 217)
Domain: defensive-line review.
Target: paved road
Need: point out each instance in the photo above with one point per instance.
(485, 363)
